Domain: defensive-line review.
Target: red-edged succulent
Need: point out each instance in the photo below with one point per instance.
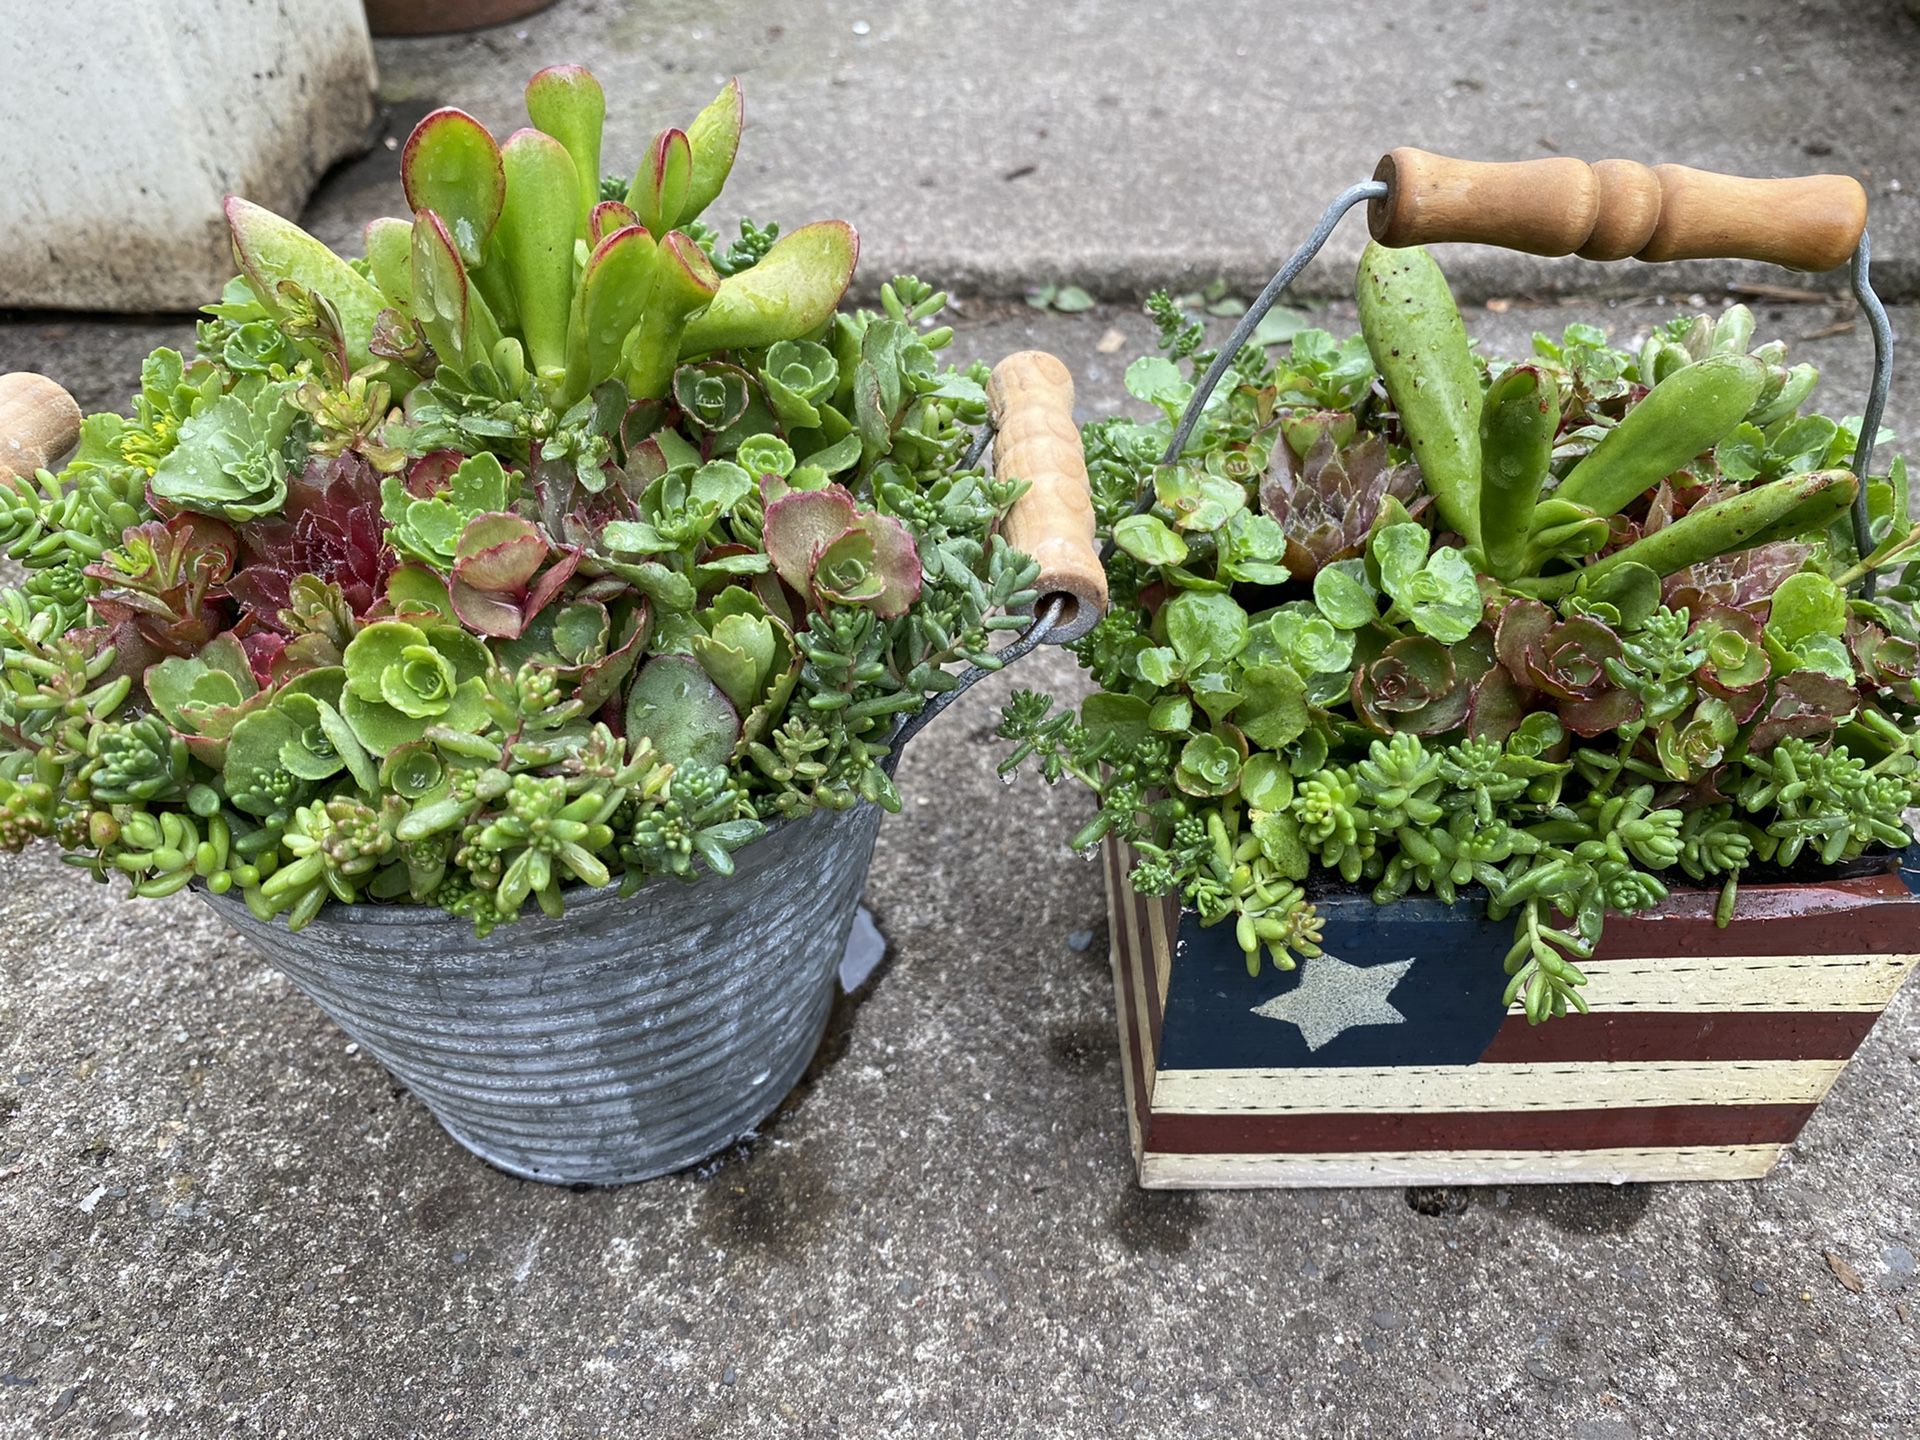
(162, 585)
(1325, 490)
(498, 584)
(1567, 661)
(331, 530)
(1735, 667)
(831, 551)
(1804, 704)
(1412, 684)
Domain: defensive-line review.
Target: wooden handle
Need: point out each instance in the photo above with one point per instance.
(1031, 396)
(39, 423)
(1617, 208)
(1544, 207)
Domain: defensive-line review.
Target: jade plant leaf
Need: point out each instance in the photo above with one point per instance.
(607, 217)
(566, 102)
(456, 320)
(614, 291)
(685, 282)
(451, 165)
(789, 295)
(535, 237)
(714, 138)
(661, 185)
(389, 246)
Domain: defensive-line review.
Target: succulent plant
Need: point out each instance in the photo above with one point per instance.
(160, 587)
(1641, 643)
(231, 457)
(330, 531)
(1326, 489)
(403, 680)
(486, 267)
(831, 552)
(428, 513)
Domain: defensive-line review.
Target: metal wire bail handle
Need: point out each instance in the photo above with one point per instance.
(1606, 211)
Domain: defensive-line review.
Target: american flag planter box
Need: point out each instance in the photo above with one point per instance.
(1388, 1060)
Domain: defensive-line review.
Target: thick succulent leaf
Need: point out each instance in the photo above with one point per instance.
(607, 217)
(253, 758)
(713, 395)
(566, 102)
(456, 321)
(739, 655)
(661, 184)
(684, 282)
(452, 166)
(1273, 710)
(801, 524)
(270, 250)
(1804, 704)
(714, 138)
(789, 295)
(896, 561)
(674, 704)
(845, 572)
(389, 243)
(614, 289)
(499, 551)
(535, 238)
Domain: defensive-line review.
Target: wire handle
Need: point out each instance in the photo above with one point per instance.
(1617, 208)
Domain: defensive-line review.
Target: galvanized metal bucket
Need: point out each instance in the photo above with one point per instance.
(622, 1040)
(631, 1038)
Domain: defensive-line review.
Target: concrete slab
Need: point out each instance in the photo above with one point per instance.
(1123, 147)
(127, 124)
(217, 1218)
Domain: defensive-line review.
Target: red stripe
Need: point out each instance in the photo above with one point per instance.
(1763, 1035)
(1870, 916)
(1123, 967)
(1623, 1127)
(1143, 912)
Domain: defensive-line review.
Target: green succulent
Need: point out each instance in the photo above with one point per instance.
(232, 457)
(429, 527)
(403, 680)
(798, 376)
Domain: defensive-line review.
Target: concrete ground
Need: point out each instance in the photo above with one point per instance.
(216, 1217)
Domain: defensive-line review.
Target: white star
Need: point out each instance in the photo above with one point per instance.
(1333, 997)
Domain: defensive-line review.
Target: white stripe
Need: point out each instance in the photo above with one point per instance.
(1457, 1167)
(1744, 982)
(1120, 905)
(1426, 1089)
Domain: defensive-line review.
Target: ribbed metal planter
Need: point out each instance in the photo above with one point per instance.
(625, 1039)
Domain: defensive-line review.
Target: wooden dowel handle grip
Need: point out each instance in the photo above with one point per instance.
(1617, 208)
(39, 423)
(1031, 397)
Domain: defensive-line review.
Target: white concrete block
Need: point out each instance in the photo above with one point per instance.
(124, 123)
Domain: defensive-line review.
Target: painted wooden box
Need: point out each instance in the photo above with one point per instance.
(1389, 1061)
